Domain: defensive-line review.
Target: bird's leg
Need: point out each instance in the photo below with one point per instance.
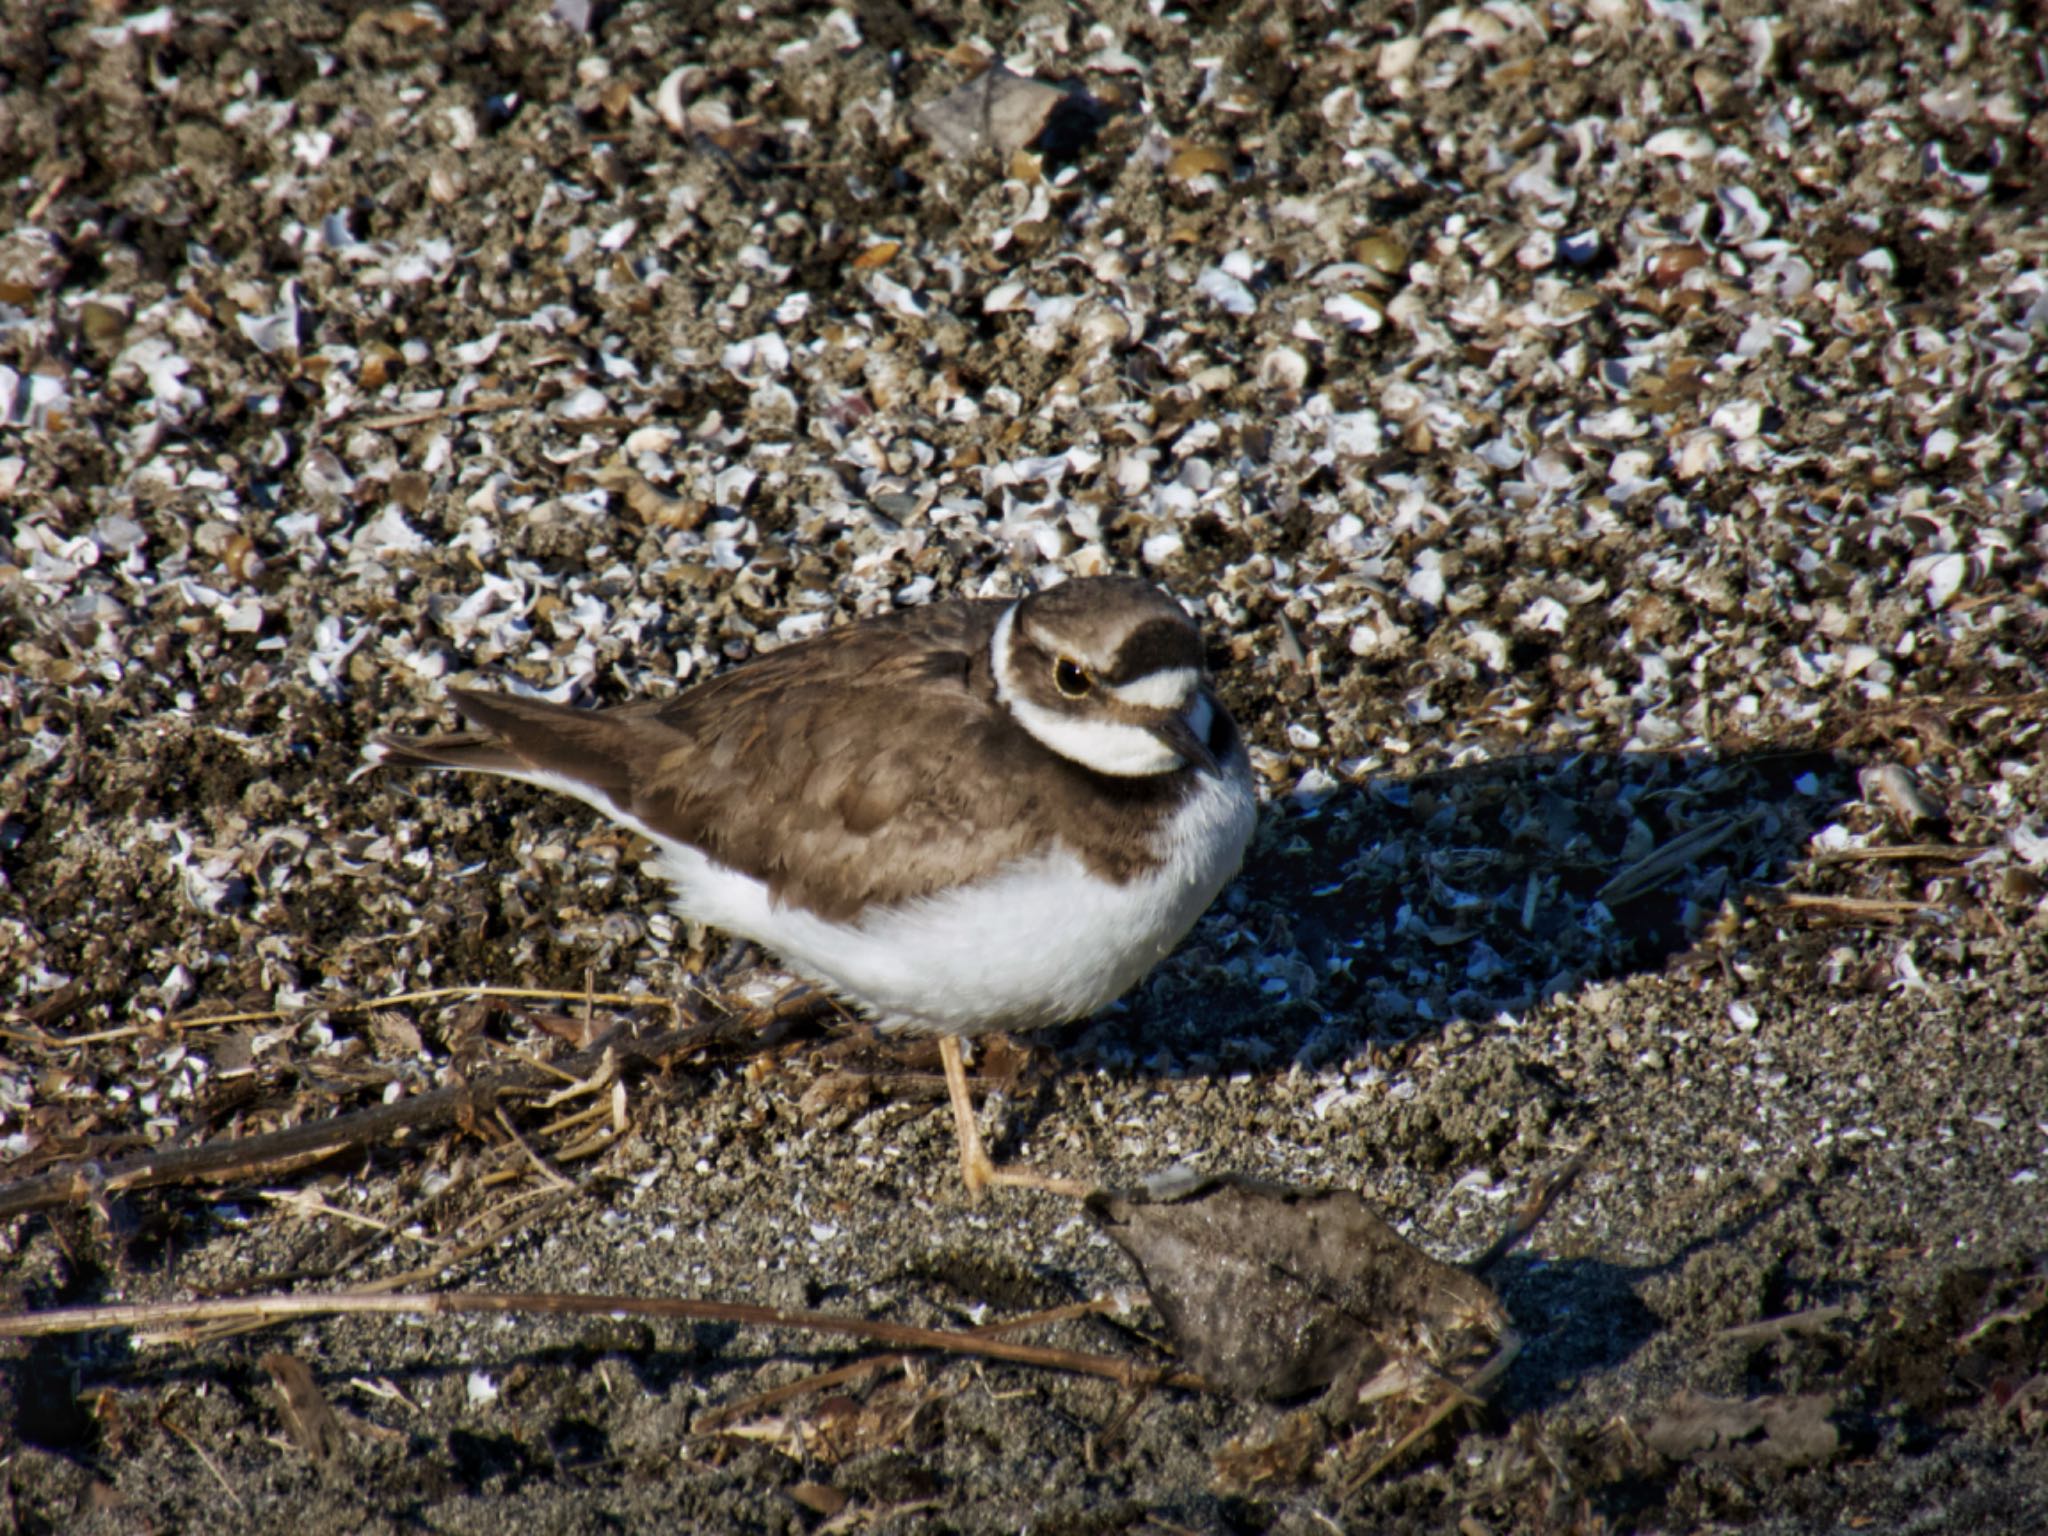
(975, 1167)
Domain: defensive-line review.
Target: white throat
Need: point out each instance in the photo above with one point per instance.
(1107, 746)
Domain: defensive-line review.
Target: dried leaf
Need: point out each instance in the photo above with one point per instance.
(1286, 1452)
(395, 1034)
(1273, 1292)
(819, 1498)
(1781, 1432)
(303, 1406)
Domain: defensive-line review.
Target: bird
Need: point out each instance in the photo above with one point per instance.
(973, 815)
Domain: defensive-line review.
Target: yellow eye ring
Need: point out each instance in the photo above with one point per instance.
(1071, 678)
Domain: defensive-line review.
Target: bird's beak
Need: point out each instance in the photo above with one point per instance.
(1183, 734)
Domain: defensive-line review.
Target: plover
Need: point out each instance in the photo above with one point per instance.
(977, 815)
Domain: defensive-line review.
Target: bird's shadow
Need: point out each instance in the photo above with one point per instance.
(1382, 912)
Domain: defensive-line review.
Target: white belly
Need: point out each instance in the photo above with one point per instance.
(1042, 942)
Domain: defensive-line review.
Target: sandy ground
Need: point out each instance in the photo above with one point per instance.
(1603, 442)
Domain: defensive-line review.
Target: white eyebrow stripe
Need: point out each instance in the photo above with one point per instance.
(1158, 690)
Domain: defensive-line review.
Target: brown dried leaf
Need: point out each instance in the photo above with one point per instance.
(1287, 1452)
(395, 1034)
(1273, 1292)
(819, 1498)
(579, 1030)
(309, 1420)
(836, 1093)
(1766, 1431)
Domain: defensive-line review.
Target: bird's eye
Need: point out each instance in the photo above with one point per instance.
(1071, 678)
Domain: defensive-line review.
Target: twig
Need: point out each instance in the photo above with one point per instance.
(595, 1082)
(539, 1162)
(1778, 1327)
(204, 1459)
(1947, 853)
(1851, 906)
(581, 1117)
(597, 1141)
(425, 1274)
(308, 1203)
(550, 1200)
(858, 1370)
(367, 1005)
(271, 1309)
(300, 1144)
(41, 206)
(1458, 1394)
(1532, 1210)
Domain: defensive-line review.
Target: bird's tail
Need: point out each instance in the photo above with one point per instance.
(577, 750)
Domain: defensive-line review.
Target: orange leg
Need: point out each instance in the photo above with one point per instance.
(975, 1167)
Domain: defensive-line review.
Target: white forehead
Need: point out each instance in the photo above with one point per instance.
(1063, 643)
(1094, 637)
(1168, 689)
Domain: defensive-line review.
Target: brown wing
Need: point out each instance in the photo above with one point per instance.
(853, 769)
(867, 765)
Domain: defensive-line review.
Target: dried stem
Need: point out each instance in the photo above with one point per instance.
(270, 1309)
(295, 1146)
